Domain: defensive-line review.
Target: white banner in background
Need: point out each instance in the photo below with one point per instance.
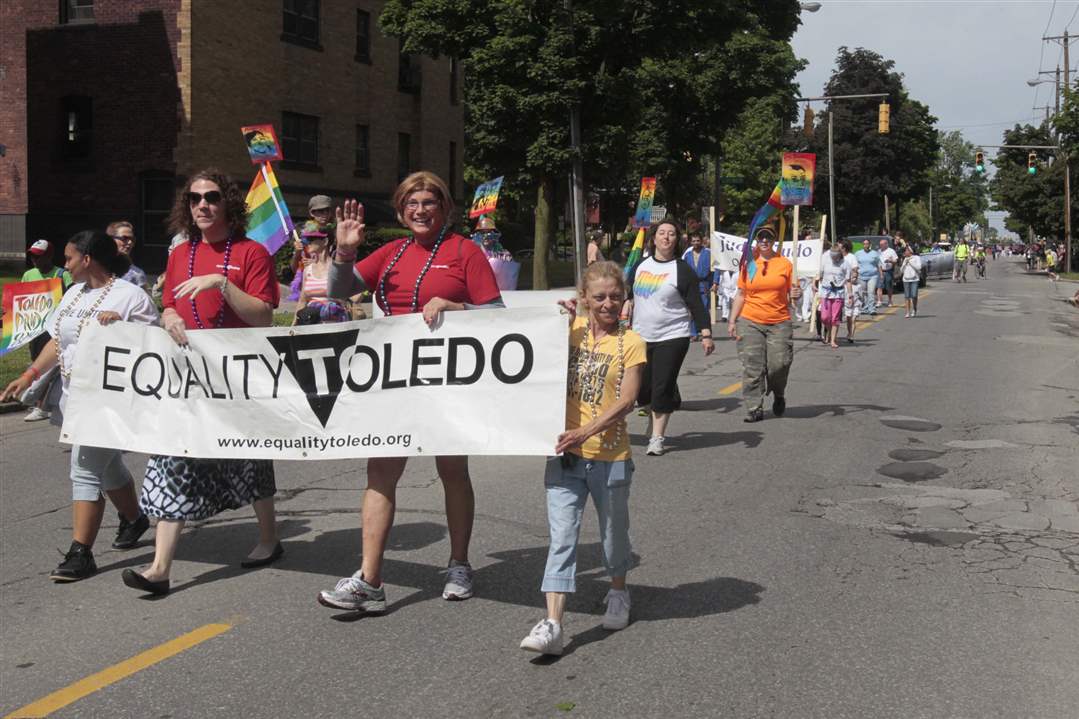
(483, 382)
(517, 298)
(727, 251)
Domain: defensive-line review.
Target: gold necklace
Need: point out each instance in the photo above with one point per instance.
(64, 371)
(591, 373)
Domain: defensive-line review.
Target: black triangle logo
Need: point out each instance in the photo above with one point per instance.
(305, 371)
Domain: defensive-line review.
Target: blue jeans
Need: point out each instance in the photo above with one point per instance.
(868, 287)
(568, 488)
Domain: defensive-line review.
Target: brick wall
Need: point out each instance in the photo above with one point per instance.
(250, 77)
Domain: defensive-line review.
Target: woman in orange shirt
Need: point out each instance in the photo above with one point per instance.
(760, 321)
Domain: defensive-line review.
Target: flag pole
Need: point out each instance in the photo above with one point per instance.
(269, 186)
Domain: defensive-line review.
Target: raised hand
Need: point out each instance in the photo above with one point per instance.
(350, 226)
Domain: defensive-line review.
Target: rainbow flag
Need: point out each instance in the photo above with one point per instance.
(748, 262)
(28, 308)
(635, 254)
(268, 221)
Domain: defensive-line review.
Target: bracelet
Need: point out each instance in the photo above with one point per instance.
(345, 258)
(33, 372)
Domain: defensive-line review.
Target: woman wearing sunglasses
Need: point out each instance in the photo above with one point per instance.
(217, 278)
(761, 323)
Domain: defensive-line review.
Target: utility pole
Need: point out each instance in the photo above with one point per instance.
(831, 162)
(1064, 40)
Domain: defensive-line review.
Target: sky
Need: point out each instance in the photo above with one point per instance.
(968, 60)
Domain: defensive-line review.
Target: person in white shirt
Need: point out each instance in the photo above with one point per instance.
(888, 260)
(912, 275)
(853, 303)
(98, 295)
(725, 285)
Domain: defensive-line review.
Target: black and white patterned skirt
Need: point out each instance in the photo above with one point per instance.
(186, 488)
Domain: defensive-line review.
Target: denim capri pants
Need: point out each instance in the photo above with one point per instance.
(569, 480)
(910, 290)
(96, 470)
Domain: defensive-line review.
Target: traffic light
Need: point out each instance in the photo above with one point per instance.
(1032, 163)
(808, 125)
(979, 162)
(883, 117)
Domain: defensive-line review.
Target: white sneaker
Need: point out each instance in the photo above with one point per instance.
(458, 581)
(914, 313)
(36, 415)
(655, 446)
(545, 638)
(617, 616)
(907, 315)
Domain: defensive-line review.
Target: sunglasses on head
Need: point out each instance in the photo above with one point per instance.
(212, 197)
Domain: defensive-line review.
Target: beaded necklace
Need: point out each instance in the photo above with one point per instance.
(65, 372)
(220, 318)
(591, 372)
(381, 289)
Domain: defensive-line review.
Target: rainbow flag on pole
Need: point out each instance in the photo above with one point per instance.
(268, 221)
(748, 262)
(635, 254)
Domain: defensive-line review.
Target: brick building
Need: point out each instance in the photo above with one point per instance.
(107, 105)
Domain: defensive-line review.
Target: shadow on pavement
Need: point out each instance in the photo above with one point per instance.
(812, 411)
(703, 440)
(723, 404)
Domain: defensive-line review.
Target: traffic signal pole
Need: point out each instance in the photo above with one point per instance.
(1064, 40)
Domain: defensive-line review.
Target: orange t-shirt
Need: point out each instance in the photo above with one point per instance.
(766, 294)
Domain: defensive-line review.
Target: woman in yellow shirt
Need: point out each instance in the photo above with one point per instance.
(761, 323)
(605, 369)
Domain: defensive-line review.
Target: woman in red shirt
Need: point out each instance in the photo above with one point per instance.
(761, 323)
(218, 278)
(433, 270)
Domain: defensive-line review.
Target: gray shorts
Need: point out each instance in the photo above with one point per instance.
(96, 470)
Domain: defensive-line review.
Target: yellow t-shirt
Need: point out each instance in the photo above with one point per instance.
(592, 377)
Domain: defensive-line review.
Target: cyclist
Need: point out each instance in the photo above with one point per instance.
(979, 260)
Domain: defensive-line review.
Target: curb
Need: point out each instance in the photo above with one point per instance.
(10, 407)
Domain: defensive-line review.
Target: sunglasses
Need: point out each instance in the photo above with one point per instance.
(123, 238)
(213, 197)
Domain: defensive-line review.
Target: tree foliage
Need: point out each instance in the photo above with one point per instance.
(1032, 201)
(960, 193)
(869, 165)
(658, 83)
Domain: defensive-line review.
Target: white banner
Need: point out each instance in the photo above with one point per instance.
(727, 251)
(483, 382)
(517, 298)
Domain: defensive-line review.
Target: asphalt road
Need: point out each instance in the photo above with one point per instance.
(904, 543)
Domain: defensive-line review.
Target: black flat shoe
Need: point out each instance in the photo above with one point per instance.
(136, 581)
(755, 416)
(276, 554)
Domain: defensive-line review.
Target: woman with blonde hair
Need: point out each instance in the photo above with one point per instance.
(433, 270)
(606, 364)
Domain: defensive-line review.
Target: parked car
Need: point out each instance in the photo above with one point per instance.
(937, 262)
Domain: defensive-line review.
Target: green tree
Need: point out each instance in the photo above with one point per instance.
(960, 192)
(657, 83)
(1034, 202)
(869, 165)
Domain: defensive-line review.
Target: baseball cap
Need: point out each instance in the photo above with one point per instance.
(319, 202)
(40, 247)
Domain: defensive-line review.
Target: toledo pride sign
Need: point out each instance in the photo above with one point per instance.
(727, 251)
(482, 382)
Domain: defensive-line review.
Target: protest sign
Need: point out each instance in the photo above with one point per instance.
(727, 251)
(374, 388)
(796, 187)
(643, 216)
(262, 145)
(28, 307)
(486, 198)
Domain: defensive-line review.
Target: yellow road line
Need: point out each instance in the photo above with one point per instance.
(84, 687)
(730, 389)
